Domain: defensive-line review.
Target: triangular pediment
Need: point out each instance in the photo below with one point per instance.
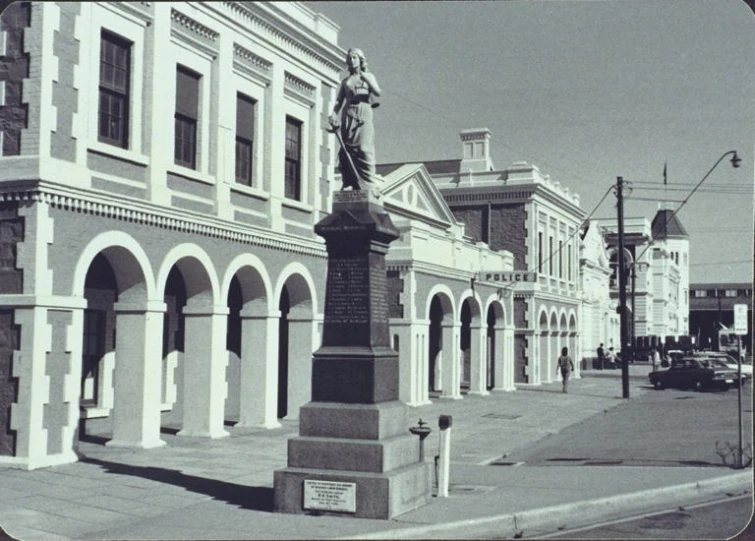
(410, 192)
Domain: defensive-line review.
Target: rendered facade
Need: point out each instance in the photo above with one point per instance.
(162, 168)
(657, 260)
(524, 212)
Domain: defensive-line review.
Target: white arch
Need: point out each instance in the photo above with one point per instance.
(543, 312)
(494, 300)
(470, 294)
(247, 260)
(572, 316)
(443, 290)
(188, 250)
(112, 239)
(562, 318)
(292, 269)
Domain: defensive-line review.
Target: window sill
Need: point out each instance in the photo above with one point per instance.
(250, 190)
(292, 203)
(191, 174)
(119, 153)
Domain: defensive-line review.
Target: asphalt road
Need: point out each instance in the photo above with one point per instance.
(658, 428)
(730, 519)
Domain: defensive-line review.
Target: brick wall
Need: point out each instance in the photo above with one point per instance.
(64, 94)
(9, 342)
(508, 231)
(395, 286)
(11, 233)
(14, 68)
(475, 219)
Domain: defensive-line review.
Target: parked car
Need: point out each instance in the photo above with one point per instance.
(730, 361)
(690, 373)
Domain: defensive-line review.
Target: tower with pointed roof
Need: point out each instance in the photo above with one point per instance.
(670, 235)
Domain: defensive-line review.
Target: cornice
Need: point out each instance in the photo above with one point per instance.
(252, 60)
(246, 15)
(193, 26)
(101, 204)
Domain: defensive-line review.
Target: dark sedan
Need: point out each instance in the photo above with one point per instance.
(691, 373)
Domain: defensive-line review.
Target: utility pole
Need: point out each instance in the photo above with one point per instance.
(622, 290)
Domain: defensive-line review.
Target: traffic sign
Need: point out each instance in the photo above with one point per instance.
(740, 319)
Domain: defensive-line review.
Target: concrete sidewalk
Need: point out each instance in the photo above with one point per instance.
(222, 489)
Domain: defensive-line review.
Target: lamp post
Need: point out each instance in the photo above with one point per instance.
(622, 271)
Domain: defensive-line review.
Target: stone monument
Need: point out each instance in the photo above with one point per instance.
(354, 454)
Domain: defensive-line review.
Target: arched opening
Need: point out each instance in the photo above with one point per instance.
(544, 347)
(296, 336)
(284, 306)
(98, 347)
(435, 344)
(235, 303)
(466, 344)
(172, 392)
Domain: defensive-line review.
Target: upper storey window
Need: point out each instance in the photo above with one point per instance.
(115, 69)
(186, 117)
(244, 139)
(293, 159)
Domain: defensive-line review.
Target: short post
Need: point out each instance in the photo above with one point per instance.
(444, 423)
(422, 431)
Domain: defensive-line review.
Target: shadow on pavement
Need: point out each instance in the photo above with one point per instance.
(245, 497)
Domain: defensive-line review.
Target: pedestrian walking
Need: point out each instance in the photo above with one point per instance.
(566, 366)
(656, 359)
(601, 357)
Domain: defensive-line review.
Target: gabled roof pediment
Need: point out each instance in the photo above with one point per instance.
(410, 192)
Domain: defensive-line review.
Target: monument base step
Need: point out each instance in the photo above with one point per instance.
(347, 493)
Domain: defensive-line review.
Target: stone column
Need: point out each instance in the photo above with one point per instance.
(259, 369)
(478, 362)
(138, 371)
(205, 359)
(354, 455)
(450, 361)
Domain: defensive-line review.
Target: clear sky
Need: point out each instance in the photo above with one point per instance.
(587, 91)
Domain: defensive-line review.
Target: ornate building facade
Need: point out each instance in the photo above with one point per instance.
(521, 211)
(163, 166)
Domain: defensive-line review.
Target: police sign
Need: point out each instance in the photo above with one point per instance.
(511, 276)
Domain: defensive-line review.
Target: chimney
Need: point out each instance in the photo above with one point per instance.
(475, 145)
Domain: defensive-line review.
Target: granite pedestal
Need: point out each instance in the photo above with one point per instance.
(354, 454)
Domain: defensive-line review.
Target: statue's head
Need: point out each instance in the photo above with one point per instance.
(358, 54)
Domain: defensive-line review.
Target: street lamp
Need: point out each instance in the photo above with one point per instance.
(622, 309)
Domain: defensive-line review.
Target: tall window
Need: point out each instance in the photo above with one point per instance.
(244, 138)
(186, 117)
(539, 252)
(115, 69)
(293, 158)
(550, 256)
(560, 259)
(568, 262)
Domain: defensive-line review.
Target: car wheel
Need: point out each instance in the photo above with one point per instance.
(699, 386)
(658, 384)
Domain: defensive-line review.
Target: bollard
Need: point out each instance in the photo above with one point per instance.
(444, 423)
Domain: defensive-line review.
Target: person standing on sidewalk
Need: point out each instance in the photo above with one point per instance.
(601, 357)
(566, 365)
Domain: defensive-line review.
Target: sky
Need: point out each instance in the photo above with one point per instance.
(586, 91)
